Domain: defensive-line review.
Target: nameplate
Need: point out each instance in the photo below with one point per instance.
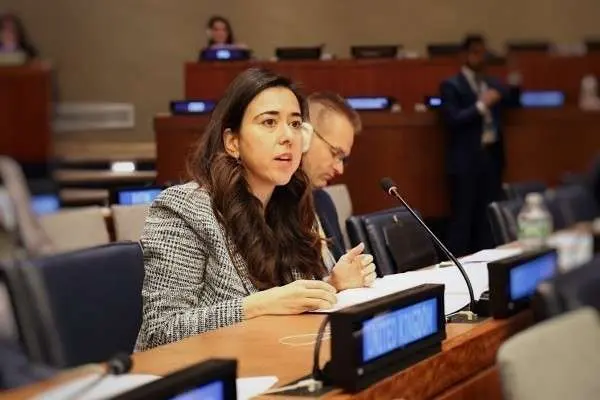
(370, 103)
(513, 281)
(212, 379)
(198, 107)
(374, 340)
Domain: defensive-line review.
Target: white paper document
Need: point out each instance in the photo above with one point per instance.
(89, 388)
(491, 255)
(248, 388)
(456, 294)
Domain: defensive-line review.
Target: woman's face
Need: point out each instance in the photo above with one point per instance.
(8, 30)
(269, 143)
(219, 32)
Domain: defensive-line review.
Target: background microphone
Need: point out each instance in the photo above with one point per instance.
(117, 365)
(388, 185)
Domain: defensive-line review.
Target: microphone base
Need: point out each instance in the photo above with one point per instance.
(464, 317)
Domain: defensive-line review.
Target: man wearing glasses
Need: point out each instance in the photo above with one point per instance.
(335, 123)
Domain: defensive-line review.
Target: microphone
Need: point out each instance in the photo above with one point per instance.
(118, 365)
(388, 185)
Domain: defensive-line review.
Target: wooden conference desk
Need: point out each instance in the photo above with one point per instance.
(409, 147)
(464, 369)
(25, 113)
(408, 80)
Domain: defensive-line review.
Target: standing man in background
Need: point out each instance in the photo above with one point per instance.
(335, 123)
(471, 108)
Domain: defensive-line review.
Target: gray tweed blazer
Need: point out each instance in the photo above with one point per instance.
(195, 280)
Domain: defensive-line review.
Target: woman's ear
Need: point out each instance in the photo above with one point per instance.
(231, 142)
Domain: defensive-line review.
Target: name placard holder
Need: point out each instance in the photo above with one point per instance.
(211, 379)
(373, 340)
(513, 280)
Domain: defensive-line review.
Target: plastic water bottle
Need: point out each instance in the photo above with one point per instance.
(535, 222)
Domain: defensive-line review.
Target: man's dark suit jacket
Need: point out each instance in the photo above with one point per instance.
(465, 124)
(329, 221)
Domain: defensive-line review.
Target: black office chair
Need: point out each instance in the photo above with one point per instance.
(577, 288)
(572, 178)
(85, 306)
(503, 220)
(577, 203)
(395, 240)
(518, 190)
(357, 232)
(558, 208)
(594, 180)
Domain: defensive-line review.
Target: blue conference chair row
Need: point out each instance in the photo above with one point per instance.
(77, 307)
(568, 205)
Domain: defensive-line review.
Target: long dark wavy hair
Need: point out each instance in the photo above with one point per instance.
(23, 40)
(282, 237)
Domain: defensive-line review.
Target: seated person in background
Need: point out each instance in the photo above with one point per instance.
(13, 36)
(335, 123)
(240, 241)
(220, 34)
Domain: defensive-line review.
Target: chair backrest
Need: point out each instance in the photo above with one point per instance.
(576, 203)
(503, 220)
(557, 207)
(76, 228)
(574, 289)
(594, 179)
(555, 359)
(86, 304)
(357, 232)
(19, 219)
(343, 206)
(129, 221)
(518, 190)
(19, 312)
(572, 178)
(395, 240)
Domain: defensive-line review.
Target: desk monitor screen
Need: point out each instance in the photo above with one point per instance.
(45, 203)
(211, 391)
(443, 49)
(513, 280)
(433, 102)
(525, 277)
(528, 46)
(229, 54)
(375, 51)
(133, 196)
(182, 107)
(370, 103)
(214, 379)
(298, 53)
(394, 330)
(542, 98)
(592, 45)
